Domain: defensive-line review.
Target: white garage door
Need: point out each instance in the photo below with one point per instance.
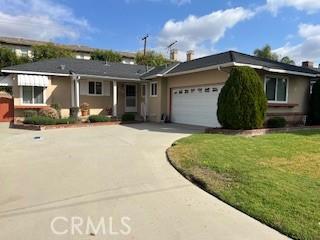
(196, 105)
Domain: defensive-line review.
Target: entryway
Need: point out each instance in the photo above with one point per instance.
(131, 98)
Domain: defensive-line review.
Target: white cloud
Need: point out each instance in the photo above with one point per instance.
(39, 19)
(310, 6)
(201, 33)
(309, 49)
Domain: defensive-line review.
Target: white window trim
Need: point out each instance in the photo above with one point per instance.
(276, 92)
(155, 95)
(33, 104)
(102, 88)
(145, 90)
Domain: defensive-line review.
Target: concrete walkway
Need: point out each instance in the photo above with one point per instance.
(114, 173)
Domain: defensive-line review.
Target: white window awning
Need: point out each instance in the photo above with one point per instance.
(6, 81)
(33, 80)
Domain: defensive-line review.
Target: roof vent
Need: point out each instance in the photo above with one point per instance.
(62, 67)
(107, 64)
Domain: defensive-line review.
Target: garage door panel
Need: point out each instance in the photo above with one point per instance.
(196, 105)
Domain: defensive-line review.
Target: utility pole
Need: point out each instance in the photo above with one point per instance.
(145, 44)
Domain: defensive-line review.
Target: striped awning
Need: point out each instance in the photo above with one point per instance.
(33, 80)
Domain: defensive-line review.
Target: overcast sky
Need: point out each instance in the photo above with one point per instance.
(291, 27)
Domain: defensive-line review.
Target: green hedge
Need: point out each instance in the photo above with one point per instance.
(42, 120)
(30, 113)
(98, 118)
(276, 122)
(242, 102)
(128, 117)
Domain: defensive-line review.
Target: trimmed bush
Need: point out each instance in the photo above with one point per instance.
(98, 118)
(242, 102)
(39, 120)
(314, 114)
(276, 122)
(128, 117)
(49, 112)
(57, 107)
(42, 120)
(29, 113)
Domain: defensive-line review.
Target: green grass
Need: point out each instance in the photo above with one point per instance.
(274, 178)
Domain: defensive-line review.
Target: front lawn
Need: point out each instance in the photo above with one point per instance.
(274, 178)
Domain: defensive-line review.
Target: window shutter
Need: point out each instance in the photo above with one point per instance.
(84, 88)
(106, 86)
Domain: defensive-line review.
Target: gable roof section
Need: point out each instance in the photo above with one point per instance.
(232, 58)
(67, 66)
(159, 71)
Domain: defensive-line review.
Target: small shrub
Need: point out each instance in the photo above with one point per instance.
(57, 107)
(39, 120)
(43, 120)
(98, 118)
(66, 121)
(74, 111)
(49, 112)
(128, 117)
(242, 102)
(29, 113)
(276, 122)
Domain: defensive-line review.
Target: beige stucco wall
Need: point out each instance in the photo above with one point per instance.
(59, 91)
(157, 104)
(298, 92)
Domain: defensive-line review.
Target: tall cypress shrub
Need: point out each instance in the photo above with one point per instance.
(314, 111)
(242, 103)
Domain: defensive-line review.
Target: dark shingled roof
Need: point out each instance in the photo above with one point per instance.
(232, 56)
(158, 70)
(82, 67)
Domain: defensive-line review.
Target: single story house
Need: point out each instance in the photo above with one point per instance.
(184, 92)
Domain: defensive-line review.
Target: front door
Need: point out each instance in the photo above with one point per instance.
(131, 98)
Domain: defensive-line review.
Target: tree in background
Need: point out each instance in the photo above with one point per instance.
(242, 103)
(266, 52)
(151, 59)
(106, 55)
(8, 58)
(48, 51)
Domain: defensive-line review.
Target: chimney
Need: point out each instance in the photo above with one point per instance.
(307, 64)
(190, 55)
(174, 54)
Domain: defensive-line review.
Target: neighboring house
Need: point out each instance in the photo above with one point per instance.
(182, 92)
(23, 47)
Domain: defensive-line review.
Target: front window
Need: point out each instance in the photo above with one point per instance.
(32, 95)
(276, 89)
(95, 88)
(154, 89)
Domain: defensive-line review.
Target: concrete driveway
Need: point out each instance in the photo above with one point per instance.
(117, 176)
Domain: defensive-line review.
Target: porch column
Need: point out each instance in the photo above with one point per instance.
(115, 98)
(77, 95)
(72, 92)
(146, 98)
